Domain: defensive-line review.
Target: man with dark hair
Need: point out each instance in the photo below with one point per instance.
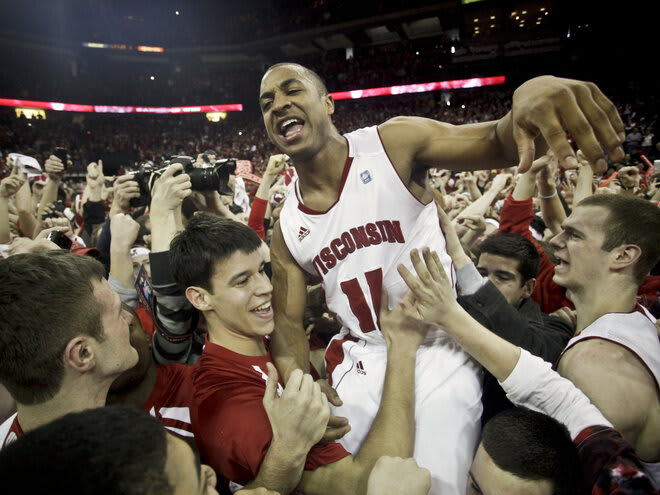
(511, 262)
(522, 448)
(359, 205)
(63, 337)
(607, 246)
(245, 432)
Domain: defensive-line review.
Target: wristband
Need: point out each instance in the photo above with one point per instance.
(549, 197)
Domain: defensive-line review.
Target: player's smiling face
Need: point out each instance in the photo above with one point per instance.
(240, 296)
(295, 113)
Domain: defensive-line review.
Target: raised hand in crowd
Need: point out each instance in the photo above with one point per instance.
(481, 205)
(630, 179)
(8, 188)
(394, 476)
(469, 181)
(24, 206)
(124, 231)
(541, 176)
(124, 189)
(54, 170)
(454, 246)
(167, 195)
(438, 178)
(471, 228)
(10, 185)
(95, 182)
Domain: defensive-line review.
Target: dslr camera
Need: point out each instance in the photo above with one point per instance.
(210, 177)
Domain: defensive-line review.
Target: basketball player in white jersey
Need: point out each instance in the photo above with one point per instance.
(359, 206)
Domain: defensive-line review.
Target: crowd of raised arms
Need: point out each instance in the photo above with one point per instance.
(174, 322)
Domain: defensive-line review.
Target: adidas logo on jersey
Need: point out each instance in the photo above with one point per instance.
(302, 233)
(360, 368)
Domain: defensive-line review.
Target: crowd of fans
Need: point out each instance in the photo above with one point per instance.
(127, 222)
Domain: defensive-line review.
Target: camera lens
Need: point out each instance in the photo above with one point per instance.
(204, 179)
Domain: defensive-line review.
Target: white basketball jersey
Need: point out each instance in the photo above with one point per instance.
(356, 245)
(636, 332)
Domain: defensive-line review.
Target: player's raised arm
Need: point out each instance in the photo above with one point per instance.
(545, 107)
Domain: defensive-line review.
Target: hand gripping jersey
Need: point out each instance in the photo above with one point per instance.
(355, 247)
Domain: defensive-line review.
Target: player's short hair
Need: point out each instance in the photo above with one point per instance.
(315, 78)
(46, 299)
(517, 247)
(533, 446)
(630, 220)
(207, 239)
(109, 450)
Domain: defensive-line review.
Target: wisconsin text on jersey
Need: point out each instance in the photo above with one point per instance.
(370, 234)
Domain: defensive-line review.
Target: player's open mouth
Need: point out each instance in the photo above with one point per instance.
(562, 264)
(291, 128)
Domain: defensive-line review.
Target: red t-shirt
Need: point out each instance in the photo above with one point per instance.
(171, 398)
(231, 426)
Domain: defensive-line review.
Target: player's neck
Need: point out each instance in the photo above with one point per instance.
(325, 167)
(597, 300)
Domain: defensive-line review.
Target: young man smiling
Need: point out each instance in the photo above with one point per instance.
(243, 430)
(358, 207)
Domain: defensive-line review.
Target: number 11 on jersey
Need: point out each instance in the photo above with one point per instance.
(360, 306)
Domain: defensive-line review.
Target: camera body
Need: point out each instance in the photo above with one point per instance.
(60, 239)
(61, 153)
(211, 177)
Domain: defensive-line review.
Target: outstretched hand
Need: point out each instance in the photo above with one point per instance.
(432, 296)
(401, 330)
(552, 107)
